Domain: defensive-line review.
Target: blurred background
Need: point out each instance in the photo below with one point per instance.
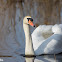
(12, 12)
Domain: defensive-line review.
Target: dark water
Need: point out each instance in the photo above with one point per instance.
(43, 58)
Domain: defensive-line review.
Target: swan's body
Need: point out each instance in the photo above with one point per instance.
(48, 40)
(44, 42)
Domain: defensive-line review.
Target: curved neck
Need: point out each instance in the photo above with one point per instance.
(27, 32)
(28, 47)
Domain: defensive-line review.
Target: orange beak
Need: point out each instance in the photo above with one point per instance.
(31, 23)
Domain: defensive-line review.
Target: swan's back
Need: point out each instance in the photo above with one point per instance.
(42, 31)
(40, 34)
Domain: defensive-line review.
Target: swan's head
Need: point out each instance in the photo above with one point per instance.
(28, 20)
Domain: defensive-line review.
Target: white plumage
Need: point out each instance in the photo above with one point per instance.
(47, 39)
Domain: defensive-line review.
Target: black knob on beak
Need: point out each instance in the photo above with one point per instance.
(34, 26)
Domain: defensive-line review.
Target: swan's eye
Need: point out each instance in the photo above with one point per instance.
(30, 19)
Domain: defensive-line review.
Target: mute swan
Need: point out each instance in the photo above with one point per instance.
(43, 41)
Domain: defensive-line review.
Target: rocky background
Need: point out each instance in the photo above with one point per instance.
(12, 13)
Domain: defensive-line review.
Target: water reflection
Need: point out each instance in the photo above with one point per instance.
(31, 59)
(46, 58)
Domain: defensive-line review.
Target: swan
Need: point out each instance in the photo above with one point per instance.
(45, 39)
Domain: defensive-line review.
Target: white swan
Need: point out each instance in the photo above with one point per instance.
(44, 42)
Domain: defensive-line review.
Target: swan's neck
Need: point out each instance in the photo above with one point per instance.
(28, 47)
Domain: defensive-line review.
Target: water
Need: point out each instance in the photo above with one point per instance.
(43, 58)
